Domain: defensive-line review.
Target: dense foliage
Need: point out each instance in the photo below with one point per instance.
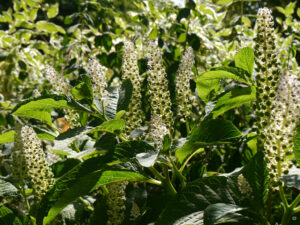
(149, 112)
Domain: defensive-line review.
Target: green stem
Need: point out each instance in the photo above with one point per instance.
(177, 172)
(27, 205)
(156, 174)
(283, 198)
(187, 124)
(296, 202)
(288, 212)
(168, 184)
(188, 159)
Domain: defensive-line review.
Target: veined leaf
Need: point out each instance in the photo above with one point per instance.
(245, 59)
(7, 189)
(110, 126)
(39, 109)
(7, 137)
(234, 98)
(210, 81)
(81, 180)
(220, 213)
(7, 217)
(210, 132)
(52, 11)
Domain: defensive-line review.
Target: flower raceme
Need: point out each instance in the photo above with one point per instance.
(279, 134)
(268, 70)
(29, 162)
(158, 86)
(62, 87)
(184, 94)
(131, 71)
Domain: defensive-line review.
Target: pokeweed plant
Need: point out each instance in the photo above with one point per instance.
(124, 167)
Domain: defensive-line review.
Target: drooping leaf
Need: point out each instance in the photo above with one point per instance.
(7, 189)
(7, 217)
(7, 137)
(234, 98)
(144, 153)
(256, 174)
(224, 213)
(110, 126)
(210, 132)
(245, 59)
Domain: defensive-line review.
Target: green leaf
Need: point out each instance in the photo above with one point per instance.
(82, 91)
(125, 93)
(7, 137)
(81, 180)
(289, 9)
(110, 126)
(153, 34)
(7, 189)
(197, 196)
(234, 98)
(297, 145)
(245, 59)
(210, 81)
(224, 213)
(140, 151)
(182, 38)
(7, 217)
(52, 11)
(256, 174)
(49, 27)
(224, 2)
(210, 132)
(39, 109)
(61, 167)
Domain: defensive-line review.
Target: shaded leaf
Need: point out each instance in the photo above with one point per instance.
(210, 132)
(7, 189)
(245, 59)
(7, 217)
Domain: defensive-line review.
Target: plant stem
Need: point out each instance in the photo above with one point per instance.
(156, 174)
(168, 184)
(89, 207)
(27, 205)
(188, 159)
(288, 212)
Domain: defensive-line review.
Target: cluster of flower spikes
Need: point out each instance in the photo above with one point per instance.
(244, 186)
(268, 71)
(159, 94)
(279, 134)
(62, 87)
(97, 74)
(29, 161)
(184, 94)
(134, 115)
(115, 202)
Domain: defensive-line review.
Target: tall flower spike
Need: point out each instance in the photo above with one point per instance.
(97, 74)
(131, 71)
(29, 161)
(268, 70)
(184, 94)
(62, 87)
(115, 202)
(279, 134)
(158, 86)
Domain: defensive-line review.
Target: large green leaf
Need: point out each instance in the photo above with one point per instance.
(7, 137)
(208, 83)
(245, 59)
(234, 98)
(297, 145)
(110, 126)
(79, 181)
(7, 189)
(7, 217)
(256, 174)
(224, 213)
(210, 132)
(49, 27)
(144, 153)
(197, 196)
(39, 109)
